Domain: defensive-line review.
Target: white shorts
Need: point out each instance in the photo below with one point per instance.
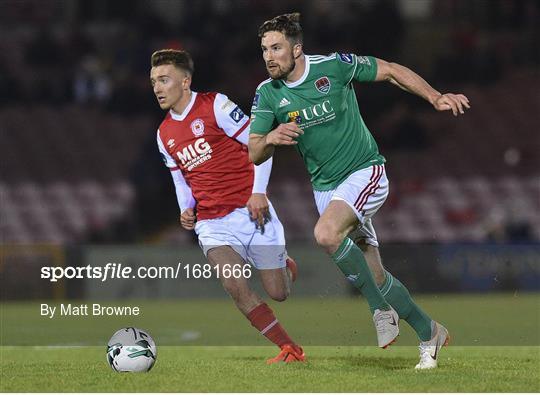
(364, 191)
(237, 230)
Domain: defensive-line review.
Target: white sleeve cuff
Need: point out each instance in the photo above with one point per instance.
(184, 196)
(262, 176)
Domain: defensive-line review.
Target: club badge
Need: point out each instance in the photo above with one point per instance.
(323, 85)
(197, 127)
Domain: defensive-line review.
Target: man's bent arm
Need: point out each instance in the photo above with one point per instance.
(411, 82)
(259, 149)
(406, 79)
(262, 147)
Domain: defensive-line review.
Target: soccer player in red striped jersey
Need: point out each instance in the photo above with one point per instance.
(221, 194)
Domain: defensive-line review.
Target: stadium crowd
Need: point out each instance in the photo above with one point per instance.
(80, 68)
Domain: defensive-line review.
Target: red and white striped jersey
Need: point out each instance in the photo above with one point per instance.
(202, 143)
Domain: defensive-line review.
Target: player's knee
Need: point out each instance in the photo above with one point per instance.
(327, 237)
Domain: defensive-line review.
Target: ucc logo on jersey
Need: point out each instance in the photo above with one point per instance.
(197, 127)
(309, 113)
(323, 85)
(294, 116)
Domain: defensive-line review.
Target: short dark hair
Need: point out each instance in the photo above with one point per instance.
(288, 24)
(180, 59)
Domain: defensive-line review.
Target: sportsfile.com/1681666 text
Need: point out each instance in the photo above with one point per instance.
(112, 271)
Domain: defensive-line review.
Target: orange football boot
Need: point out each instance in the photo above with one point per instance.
(288, 354)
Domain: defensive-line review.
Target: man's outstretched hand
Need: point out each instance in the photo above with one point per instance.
(454, 102)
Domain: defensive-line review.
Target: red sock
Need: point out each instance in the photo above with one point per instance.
(262, 317)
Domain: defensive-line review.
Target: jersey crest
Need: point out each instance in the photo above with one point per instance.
(197, 127)
(323, 85)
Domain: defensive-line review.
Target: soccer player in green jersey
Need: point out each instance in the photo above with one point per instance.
(309, 102)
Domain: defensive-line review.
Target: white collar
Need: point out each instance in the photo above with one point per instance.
(181, 117)
(302, 78)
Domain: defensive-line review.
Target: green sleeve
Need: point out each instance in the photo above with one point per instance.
(262, 119)
(360, 68)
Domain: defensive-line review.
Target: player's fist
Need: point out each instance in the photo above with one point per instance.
(284, 134)
(187, 219)
(258, 208)
(449, 101)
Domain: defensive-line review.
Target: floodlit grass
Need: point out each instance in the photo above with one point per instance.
(473, 320)
(208, 346)
(242, 369)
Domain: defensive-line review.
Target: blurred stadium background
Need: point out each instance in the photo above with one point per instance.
(82, 182)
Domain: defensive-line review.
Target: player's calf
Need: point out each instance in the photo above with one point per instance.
(244, 298)
(275, 283)
(373, 259)
(237, 287)
(279, 295)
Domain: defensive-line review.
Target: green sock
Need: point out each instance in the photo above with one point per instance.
(350, 260)
(399, 297)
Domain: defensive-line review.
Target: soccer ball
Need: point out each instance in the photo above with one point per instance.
(131, 350)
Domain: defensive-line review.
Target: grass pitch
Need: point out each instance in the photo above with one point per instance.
(207, 346)
(473, 320)
(242, 369)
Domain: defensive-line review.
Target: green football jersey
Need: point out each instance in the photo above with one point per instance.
(336, 141)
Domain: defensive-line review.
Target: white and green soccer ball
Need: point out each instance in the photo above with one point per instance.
(131, 350)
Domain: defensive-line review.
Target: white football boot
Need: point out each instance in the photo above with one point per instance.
(429, 350)
(387, 326)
